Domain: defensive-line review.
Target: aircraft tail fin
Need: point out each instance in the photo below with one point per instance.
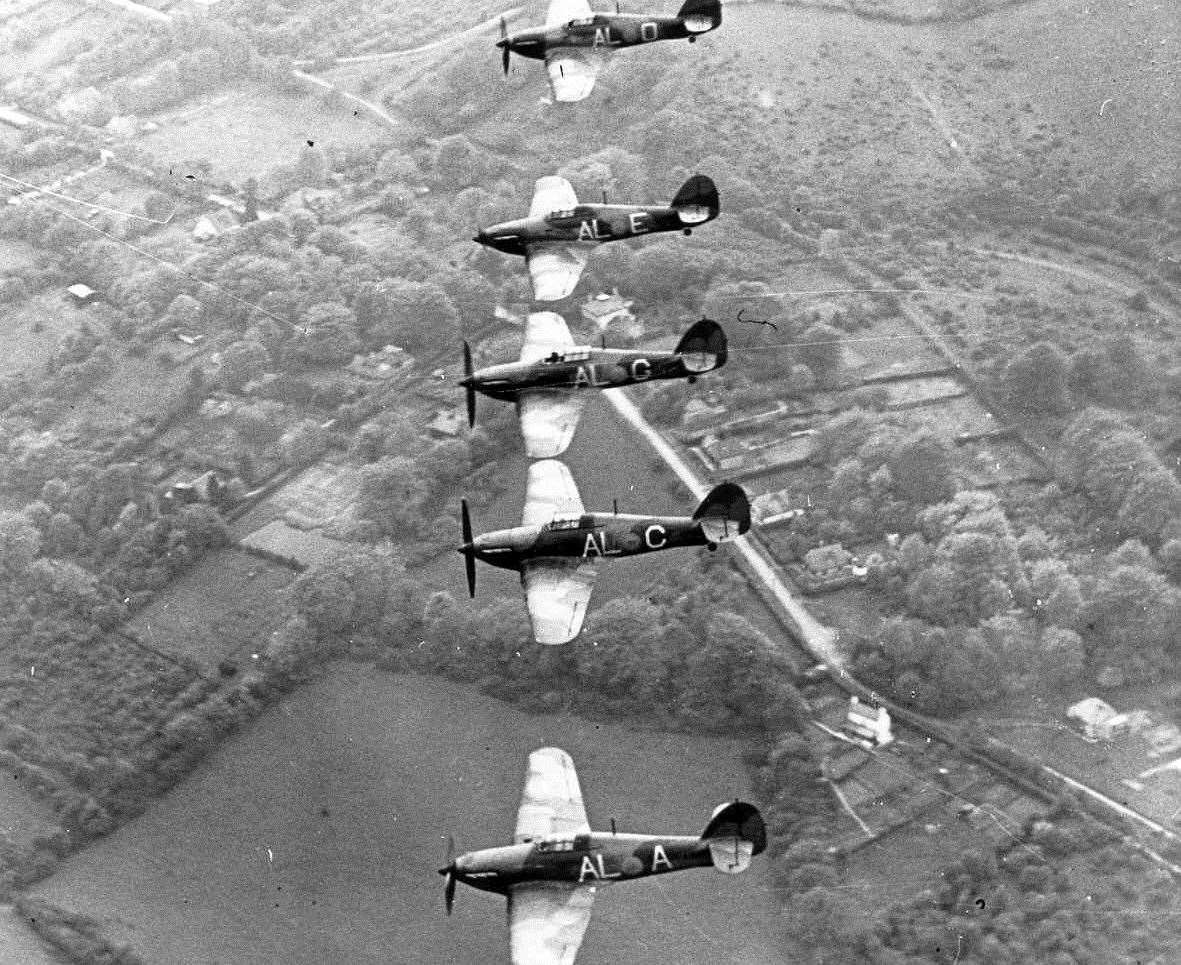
(701, 15)
(735, 833)
(697, 202)
(703, 347)
(724, 514)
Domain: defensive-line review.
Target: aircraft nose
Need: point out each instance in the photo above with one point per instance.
(466, 548)
(481, 238)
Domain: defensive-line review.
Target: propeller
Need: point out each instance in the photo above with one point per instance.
(469, 556)
(449, 875)
(467, 383)
(505, 52)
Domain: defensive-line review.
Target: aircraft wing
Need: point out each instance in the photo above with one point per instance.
(551, 802)
(545, 333)
(548, 419)
(547, 921)
(555, 268)
(557, 591)
(561, 12)
(551, 193)
(572, 72)
(550, 492)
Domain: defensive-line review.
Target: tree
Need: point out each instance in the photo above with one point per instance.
(326, 336)
(1153, 500)
(19, 544)
(1035, 380)
(1133, 611)
(820, 350)
(1061, 657)
(415, 315)
(242, 361)
(921, 468)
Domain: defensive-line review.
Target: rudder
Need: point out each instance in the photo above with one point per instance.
(703, 347)
(697, 201)
(701, 15)
(724, 514)
(735, 833)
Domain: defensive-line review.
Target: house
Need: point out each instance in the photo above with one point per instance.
(82, 294)
(1092, 715)
(870, 723)
(774, 509)
(603, 309)
(14, 118)
(827, 559)
(210, 487)
(1163, 739)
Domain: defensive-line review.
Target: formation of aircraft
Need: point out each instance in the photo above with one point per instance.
(558, 545)
(575, 39)
(550, 872)
(549, 380)
(558, 233)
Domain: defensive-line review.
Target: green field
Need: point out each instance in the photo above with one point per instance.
(219, 610)
(314, 836)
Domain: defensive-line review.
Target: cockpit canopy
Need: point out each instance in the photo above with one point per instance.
(561, 523)
(579, 842)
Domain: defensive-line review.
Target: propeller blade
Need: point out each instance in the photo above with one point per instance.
(449, 892)
(505, 53)
(471, 392)
(469, 557)
(449, 871)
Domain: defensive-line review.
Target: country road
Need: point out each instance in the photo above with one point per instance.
(819, 639)
(432, 47)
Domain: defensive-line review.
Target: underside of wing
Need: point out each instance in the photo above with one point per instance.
(547, 922)
(572, 72)
(552, 193)
(549, 492)
(545, 333)
(551, 801)
(557, 592)
(548, 419)
(561, 12)
(555, 268)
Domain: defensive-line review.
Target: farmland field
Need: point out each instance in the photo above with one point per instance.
(18, 945)
(249, 133)
(34, 327)
(314, 837)
(221, 608)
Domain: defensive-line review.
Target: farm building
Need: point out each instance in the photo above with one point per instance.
(447, 424)
(82, 294)
(603, 309)
(382, 364)
(870, 723)
(1092, 716)
(14, 118)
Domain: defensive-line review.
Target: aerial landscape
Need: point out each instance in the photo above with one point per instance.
(300, 657)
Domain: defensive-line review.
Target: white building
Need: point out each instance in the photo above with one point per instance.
(871, 724)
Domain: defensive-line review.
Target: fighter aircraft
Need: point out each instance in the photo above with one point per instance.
(575, 39)
(548, 380)
(558, 544)
(558, 233)
(550, 872)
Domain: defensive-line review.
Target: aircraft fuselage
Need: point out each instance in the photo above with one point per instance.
(608, 31)
(589, 537)
(590, 859)
(590, 224)
(586, 368)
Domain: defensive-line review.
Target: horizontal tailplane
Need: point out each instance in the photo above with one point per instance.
(724, 514)
(735, 834)
(703, 347)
